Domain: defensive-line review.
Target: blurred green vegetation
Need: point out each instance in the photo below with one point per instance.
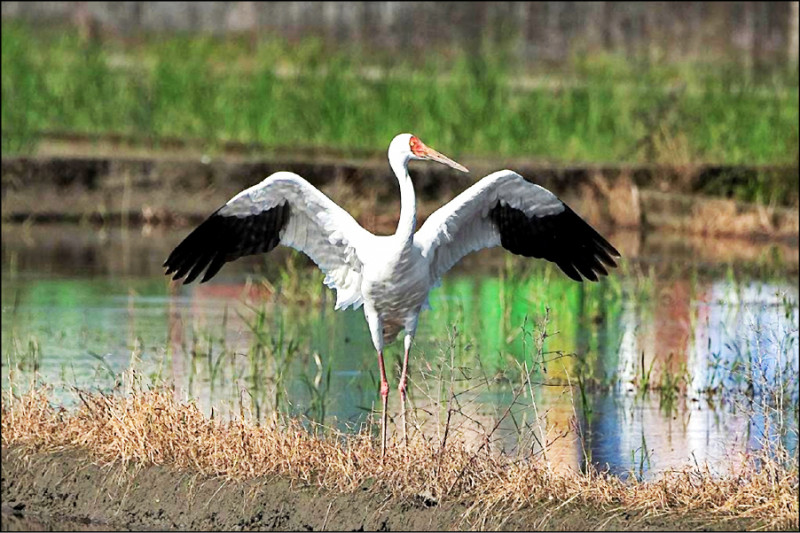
(601, 109)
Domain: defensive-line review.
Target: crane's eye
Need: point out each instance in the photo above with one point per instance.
(416, 146)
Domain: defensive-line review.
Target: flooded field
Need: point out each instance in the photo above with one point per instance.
(659, 366)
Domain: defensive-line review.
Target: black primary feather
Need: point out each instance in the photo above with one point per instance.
(563, 238)
(220, 239)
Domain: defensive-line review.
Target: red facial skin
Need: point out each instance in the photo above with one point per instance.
(417, 147)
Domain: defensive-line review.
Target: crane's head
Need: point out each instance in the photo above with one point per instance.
(406, 147)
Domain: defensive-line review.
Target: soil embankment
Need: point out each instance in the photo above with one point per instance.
(156, 189)
(69, 485)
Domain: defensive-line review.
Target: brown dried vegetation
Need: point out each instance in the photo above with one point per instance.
(152, 427)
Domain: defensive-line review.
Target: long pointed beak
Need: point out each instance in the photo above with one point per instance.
(433, 155)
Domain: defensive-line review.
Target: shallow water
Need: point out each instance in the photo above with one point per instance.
(81, 305)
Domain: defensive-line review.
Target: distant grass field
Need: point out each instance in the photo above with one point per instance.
(600, 109)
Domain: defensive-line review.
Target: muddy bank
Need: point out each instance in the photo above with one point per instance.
(20, 521)
(157, 190)
(68, 485)
(71, 249)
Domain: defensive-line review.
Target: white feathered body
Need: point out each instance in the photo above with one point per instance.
(395, 283)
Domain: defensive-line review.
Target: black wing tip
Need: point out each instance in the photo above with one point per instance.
(597, 239)
(590, 268)
(188, 271)
(613, 252)
(563, 238)
(576, 277)
(222, 238)
(601, 252)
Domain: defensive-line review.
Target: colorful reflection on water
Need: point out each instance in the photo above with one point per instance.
(703, 344)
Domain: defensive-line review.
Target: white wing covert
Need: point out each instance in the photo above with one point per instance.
(503, 209)
(282, 209)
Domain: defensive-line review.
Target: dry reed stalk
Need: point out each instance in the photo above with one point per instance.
(152, 427)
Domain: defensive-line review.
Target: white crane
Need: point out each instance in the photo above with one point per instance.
(391, 276)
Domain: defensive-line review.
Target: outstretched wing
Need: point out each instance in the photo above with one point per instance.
(526, 219)
(285, 209)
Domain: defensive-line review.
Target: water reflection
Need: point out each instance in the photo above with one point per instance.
(697, 341)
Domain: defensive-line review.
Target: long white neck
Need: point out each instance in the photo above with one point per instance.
(408, 202)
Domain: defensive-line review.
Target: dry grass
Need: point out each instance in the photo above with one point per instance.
(151, 427)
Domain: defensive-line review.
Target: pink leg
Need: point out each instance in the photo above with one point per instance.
(384, 400)
(402, 388)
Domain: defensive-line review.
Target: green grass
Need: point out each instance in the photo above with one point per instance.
(599, 109)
